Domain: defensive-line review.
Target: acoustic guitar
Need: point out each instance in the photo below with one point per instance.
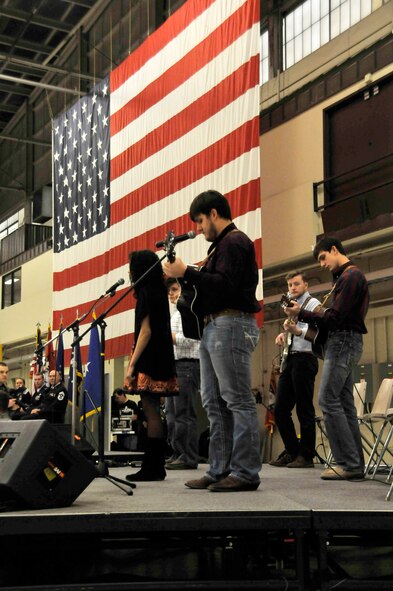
(187, 303)
(317, 335)
(286, 302)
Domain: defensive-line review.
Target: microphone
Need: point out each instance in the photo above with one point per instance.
(175, 239)
(114, 286)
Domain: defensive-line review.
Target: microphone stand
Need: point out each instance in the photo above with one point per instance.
(102, 467)
(74, 326)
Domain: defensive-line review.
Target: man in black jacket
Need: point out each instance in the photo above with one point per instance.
(52, 402)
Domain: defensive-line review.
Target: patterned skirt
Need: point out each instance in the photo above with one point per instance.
(144, 384)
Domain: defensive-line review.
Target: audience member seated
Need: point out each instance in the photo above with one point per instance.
(4, 378)
(123, 407)
(48, 402)
(54, 400)
(24, 413)
(21, 393)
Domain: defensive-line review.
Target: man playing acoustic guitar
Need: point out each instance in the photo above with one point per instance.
(296, 383)
(344, 323)
(226, 284)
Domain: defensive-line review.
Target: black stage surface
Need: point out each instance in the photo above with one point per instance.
(295, 532)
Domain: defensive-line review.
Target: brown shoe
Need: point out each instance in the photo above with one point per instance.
(301, 462)
(232, 484)
(338, 473)
(283, 460)
(200, 483)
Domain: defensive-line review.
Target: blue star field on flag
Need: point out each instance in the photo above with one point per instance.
(81, 169)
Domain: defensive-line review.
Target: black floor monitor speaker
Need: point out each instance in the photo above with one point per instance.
(39, 469)
(80, 443)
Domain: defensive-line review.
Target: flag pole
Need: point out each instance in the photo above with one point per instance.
(75, 328)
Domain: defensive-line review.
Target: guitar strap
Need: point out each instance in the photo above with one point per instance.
(203, 263)
(304, 304)
(327, 296)
(187, 304)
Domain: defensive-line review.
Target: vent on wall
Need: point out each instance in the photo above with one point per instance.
(42, 205)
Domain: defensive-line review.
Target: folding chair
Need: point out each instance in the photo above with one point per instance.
(359, 398)
(390, 491)
(381, 412)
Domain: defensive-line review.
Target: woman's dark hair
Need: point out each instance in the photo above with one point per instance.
(208, 200)
(327, 244)
(142, 260)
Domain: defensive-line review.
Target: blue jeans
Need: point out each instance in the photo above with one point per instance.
(181, 415)
(225, 354)
(343, 351)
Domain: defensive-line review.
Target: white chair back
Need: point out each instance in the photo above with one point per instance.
(359, 398)
(383, 400)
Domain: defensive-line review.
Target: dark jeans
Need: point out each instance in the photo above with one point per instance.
(181, 414)
(296, 387)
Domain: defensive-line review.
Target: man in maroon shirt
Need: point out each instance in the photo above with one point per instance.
(226, 285)
(343, 321)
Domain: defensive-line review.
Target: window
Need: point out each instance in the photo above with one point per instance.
(264, 63)
(316, 22)
(12, 223)
(11, 288)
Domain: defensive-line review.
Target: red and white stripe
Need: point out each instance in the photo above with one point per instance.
(184, 118)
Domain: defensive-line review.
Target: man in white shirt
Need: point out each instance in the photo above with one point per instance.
(296, 384)
(180, 410)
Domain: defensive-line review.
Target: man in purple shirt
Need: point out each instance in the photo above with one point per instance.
(226, 285)
(343, 321)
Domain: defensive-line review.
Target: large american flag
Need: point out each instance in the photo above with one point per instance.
(180, 115)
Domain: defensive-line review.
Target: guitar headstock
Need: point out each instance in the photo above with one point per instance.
(169, 246)
(285, 301)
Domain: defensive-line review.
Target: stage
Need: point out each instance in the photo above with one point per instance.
(295, 532)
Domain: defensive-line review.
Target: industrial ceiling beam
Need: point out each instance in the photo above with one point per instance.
(41, 85)
(2, 188)
(5, 108)
(35, 19)
(21, 70)
(14, 89)
(84, 3)
(48, 68)
(25, 140)
(26, 45)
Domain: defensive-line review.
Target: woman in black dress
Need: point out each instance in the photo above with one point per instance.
(151, 371)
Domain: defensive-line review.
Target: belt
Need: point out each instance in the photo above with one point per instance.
(188, 359)
(300, 353)
(227, 312)
(345, 330)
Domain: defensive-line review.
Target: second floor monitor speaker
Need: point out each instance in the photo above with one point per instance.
(39, 469)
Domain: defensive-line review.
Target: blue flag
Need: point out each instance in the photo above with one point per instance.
(92, 384)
